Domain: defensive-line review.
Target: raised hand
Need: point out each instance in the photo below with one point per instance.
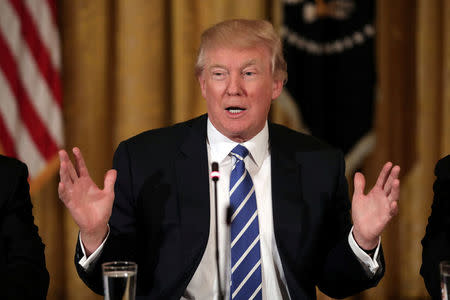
(372, 212)
(89, 206)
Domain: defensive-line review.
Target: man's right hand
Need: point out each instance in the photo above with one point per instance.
(89, 206)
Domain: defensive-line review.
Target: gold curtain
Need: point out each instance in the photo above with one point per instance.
(128, 67)
(413, 54)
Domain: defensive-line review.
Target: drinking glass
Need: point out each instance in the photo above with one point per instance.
(119, 280)
(445, 279)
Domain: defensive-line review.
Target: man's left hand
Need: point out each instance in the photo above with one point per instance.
(372, 212)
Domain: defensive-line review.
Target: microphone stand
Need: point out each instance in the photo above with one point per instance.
(215, 177)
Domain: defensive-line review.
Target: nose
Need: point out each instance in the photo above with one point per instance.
(234, 87)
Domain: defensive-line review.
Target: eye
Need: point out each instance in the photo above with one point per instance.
(218, 74)
(249, 73)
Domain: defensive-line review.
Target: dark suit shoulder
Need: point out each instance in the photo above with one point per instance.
(12, 173)
(436, 242)
(138, 158)
(280, 134)
(21, 249)
(442, 170)
(11, 165)
(166, 138)
(441, 188)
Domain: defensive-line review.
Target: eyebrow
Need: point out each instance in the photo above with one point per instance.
(216, 66)
(250, 62)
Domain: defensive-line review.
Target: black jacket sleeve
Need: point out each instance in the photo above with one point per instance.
(436, 242)
(22, 261)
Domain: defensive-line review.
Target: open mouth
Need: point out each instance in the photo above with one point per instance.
(235, 110)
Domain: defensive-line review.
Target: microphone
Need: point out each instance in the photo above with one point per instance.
(215, 175)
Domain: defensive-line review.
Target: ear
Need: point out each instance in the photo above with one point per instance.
(277, 87)
(202, 81)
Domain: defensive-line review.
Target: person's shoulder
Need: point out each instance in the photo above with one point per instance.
(293, 139)
(167, 136)
(10, 165)
(13, 173)
(442, 169)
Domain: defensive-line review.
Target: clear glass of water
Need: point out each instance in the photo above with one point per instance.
(445, 279)
(119, 280)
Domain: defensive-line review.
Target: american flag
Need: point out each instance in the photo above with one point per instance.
(31, 127)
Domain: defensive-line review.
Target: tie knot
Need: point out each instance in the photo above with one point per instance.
(240, 152)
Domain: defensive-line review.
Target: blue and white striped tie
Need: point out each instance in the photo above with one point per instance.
(245, 249)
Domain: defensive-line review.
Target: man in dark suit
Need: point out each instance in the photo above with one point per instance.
(436, 242)
(295, 208)
(23, 274)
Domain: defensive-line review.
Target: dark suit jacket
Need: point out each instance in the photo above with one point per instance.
(22, 262)
(436, 242)
(161, 213)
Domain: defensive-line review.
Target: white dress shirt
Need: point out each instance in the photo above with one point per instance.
(204, 283)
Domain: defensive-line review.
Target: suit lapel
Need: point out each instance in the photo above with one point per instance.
(191, 167)
(286, 196)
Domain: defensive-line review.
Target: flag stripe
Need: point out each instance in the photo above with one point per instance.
(37, 88)
(6, 140)
(31, 126)
(10, 27)
(43, 19)
(8, 117)
(38, 132)
(27, 151)
(38, 49)
(53, 12)
(16, 141)
(40, 96)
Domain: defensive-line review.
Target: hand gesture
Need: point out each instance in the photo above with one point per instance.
(89, 206)
(372, 212)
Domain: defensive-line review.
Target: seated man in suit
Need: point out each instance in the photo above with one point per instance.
(436, 242)
(23, 274)
(289, 228)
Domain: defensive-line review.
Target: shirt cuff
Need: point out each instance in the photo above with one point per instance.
(86, 262)
(370, 263)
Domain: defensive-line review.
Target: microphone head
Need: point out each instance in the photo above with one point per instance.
(215, 171)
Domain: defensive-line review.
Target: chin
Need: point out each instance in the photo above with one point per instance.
(239, 136)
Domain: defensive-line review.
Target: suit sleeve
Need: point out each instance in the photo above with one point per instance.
(342, 273)
(121, 242)
(24, 275)
(436, 242)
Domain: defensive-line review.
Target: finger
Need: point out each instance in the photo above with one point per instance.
(61, 192)
(64, 173)
(63, 157)
(69, 168)
(81, 165)
(359, 183)
(395, 192)
(393, 208)
(383, 175)
(110, 180)
(395, 171)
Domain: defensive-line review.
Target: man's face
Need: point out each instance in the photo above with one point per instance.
(239, 87)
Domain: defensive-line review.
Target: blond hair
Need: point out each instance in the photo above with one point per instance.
(241, 33)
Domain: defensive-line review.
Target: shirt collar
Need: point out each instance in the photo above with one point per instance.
(221, 146)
